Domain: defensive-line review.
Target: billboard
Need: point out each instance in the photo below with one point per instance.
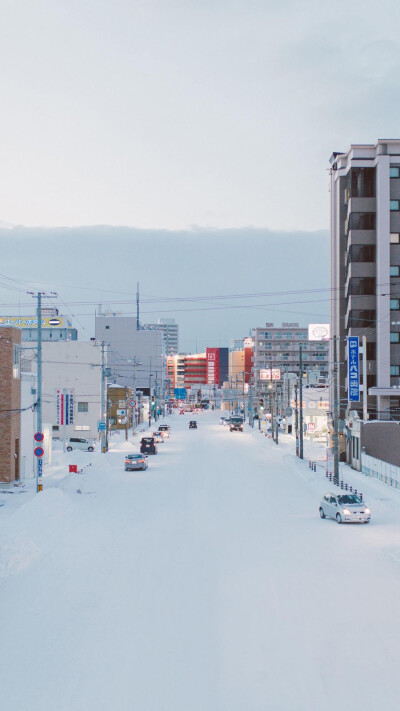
(31, 321)
(319, 331)
(212, 366)
(270, 374)
(354, 369)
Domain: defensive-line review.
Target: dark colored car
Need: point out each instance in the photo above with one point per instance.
(148, 445)
(193, 425)
(236, 424)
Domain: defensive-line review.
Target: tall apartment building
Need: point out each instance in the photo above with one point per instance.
(170, 329)
(278, 348)
(365, 269)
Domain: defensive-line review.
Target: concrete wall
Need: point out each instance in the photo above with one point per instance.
(382, 440)
(125, 344)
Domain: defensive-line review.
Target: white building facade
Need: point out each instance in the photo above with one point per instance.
(136, 357)
(71, 386)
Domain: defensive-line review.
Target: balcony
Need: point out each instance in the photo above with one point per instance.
(362, 204)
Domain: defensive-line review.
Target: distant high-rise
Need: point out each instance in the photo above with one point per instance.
(170, 329)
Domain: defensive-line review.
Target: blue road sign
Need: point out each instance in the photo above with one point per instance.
(40, 466)
(38, 436)
(38, 451)
(101, 426)
(180, 393)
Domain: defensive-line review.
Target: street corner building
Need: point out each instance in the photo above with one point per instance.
(10, 399)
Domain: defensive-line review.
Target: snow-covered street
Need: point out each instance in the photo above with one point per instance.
(206, 583)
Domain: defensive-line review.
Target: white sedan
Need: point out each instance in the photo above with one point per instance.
(345, 508)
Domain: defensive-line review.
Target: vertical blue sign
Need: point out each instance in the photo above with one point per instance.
(354, 370)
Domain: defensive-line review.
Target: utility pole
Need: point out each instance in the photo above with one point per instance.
(251, 417)
(364, 372)
(296, 425)
(103, 400)
(126, 414)
(301, 402)
(272, 410)
(137, 308)
(150, 401)
(39, 460)
(277, 421)
(335, 413)
(39, 415)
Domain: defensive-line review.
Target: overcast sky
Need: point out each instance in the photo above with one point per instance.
(205, 128)
(173, 113)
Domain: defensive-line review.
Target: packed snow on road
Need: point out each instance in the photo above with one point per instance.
(207, 582)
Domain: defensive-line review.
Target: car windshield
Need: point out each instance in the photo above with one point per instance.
(134, 456)
(349, 499)
(236, 420)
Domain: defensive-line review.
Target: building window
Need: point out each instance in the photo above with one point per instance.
(394, 271)
(16, 361)
(81, 428)
(394, 338)
(394, 304)
(107, 327)
(394, 238)
(83, 407)
(394, 205)
(395, 370)
(395, 172)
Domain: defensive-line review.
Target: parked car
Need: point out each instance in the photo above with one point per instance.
(86, 445)
(148, 445)
(158, 437)
(223, 420)
(193, 425)
(345, 508)
(236, 424)
(134, 462)
(165, 430)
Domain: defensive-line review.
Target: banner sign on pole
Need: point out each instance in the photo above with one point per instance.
(354, 369)
(65, 406)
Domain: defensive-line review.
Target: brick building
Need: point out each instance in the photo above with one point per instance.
(10, 398)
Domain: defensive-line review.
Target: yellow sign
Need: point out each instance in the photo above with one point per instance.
(31, 321)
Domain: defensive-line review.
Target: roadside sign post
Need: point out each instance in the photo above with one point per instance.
(39, 452)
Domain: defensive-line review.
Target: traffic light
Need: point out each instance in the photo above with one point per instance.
(261, 403)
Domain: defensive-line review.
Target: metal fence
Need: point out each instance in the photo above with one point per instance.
(383, 471)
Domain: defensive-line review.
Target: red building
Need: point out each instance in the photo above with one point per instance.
(248, 347)
(217, 366)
